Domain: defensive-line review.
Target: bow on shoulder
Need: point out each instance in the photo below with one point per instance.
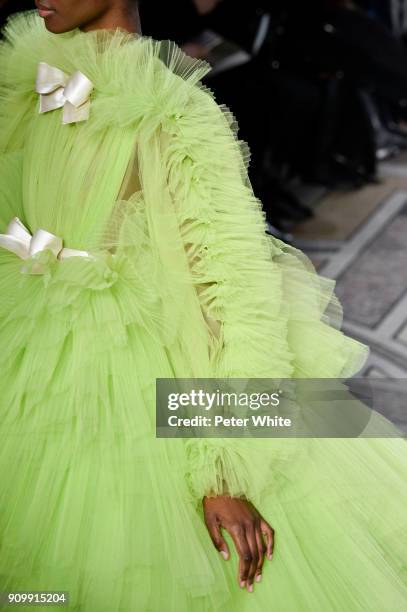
(60, 90)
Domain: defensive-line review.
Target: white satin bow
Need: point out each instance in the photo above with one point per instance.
(57, 89)
(18, 240)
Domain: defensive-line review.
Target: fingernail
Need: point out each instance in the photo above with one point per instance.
(270, 557)
(224, 554)
(258, 577)
(250, 588)
(242, 583)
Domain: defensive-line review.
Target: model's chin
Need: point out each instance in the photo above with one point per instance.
(56, 25)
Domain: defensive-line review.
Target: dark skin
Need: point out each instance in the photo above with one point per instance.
(65, 15)
(253, 537)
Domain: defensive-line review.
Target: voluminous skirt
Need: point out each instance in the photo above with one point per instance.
(94, 504)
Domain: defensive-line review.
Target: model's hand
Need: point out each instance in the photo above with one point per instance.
(246, 526)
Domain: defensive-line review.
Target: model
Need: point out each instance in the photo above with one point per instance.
(133, 248)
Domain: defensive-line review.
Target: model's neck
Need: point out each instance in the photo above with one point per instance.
(116, 18)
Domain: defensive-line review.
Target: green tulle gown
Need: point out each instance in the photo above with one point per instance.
(144, 174)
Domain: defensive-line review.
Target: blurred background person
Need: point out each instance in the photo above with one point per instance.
(302, 80)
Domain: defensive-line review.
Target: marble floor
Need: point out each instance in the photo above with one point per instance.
(359, 238)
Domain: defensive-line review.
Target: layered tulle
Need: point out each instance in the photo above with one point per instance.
(184, 282)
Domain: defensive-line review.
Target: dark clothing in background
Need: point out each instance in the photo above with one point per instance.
(14, 6)
(174, 20)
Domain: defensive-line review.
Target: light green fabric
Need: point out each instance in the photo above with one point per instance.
(185, 283)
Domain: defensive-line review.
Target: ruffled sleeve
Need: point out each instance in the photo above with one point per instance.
(269, 314)
(223, 231)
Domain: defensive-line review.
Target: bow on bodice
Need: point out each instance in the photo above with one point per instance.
(57, 89)
(19, 241)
